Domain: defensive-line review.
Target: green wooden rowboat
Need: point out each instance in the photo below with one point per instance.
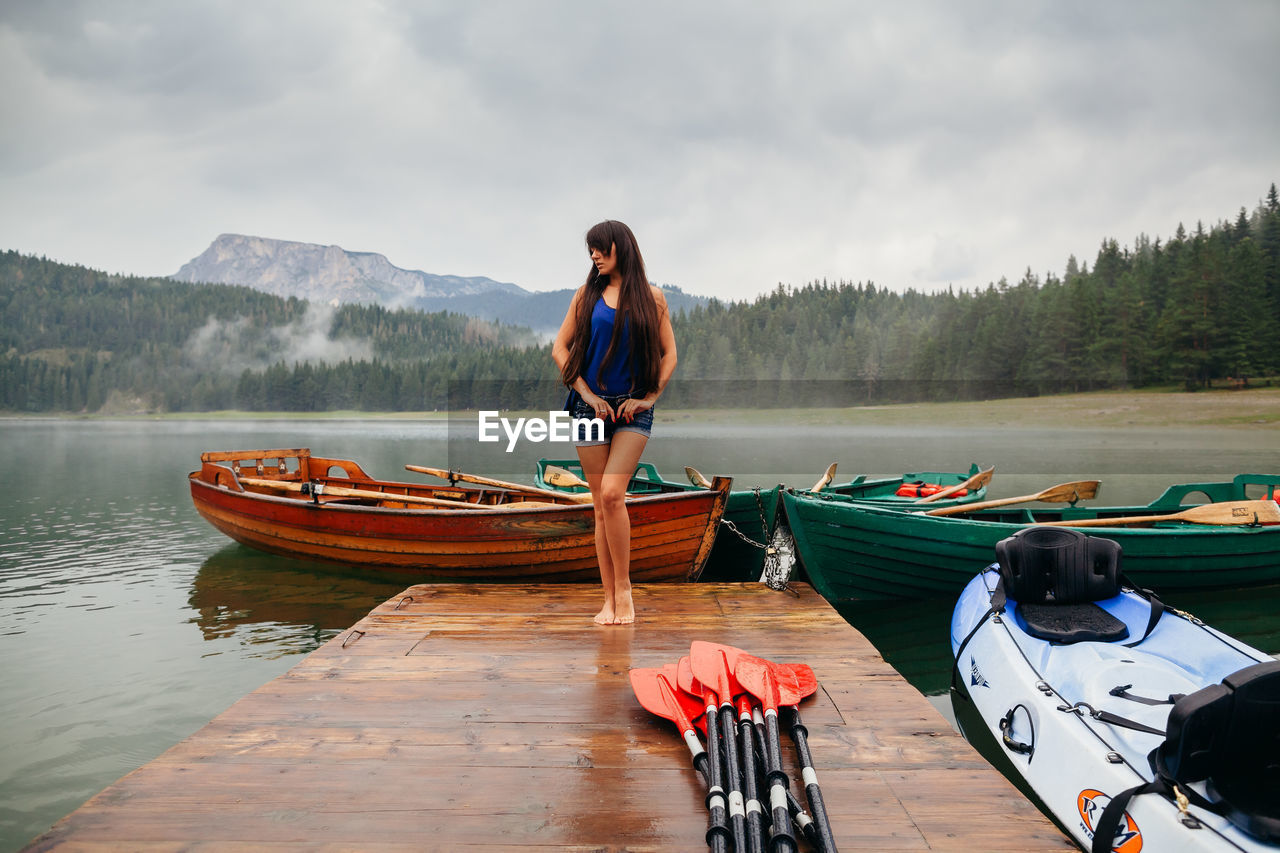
(754, 512)
(854, 550)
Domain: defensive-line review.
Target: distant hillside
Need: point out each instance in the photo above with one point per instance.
(331, 274)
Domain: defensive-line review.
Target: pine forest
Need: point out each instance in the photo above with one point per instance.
(1197, 308)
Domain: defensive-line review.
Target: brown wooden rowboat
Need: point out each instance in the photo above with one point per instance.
(292, 503)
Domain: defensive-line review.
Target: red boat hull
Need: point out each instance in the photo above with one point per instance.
(671, 535)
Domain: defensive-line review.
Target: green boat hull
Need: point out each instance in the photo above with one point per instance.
(754, 512)
(857, 551)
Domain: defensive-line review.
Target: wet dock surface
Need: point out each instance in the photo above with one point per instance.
(500, 718)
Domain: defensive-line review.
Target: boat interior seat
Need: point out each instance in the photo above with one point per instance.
(1056, 575)
(1229, 734)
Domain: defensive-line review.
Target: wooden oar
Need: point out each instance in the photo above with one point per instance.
(825, 479)
(658, 694)
(344, 492)
(695, 477)
(1081, 490)
(563, 477)
(460, 477)
(977, 481)
(711, 666)
(756, 675)
(1223, 513)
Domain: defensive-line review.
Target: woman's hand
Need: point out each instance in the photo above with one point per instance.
(629, 408)
(599, 407)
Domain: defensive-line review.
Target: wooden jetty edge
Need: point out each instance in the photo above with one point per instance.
(500, 718)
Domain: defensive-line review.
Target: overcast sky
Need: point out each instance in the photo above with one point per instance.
(913, 144)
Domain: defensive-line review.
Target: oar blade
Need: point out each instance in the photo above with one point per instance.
(796, 681)
(563, 478)
(977, 481)
(690, 702)
(685, 678)
(713, 664)
(825, 479)
(658, 695)
(757, 678)
(1081, 490)
(695, 476)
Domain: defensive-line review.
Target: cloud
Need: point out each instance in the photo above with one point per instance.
(916, 144)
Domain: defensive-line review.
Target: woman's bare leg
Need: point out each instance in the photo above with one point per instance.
(593, 461)
(624, 453)
(608, 469)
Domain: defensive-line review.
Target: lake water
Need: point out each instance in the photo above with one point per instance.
(127, 622)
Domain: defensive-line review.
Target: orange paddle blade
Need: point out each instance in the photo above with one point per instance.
(659, 695)
(757, 678)
(796, 681)
(713, 664)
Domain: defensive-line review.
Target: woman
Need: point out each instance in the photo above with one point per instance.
(616, 351)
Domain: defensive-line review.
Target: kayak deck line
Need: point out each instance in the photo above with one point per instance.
(457, 716)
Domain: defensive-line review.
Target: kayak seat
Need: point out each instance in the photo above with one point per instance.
(1229, 734)
(1056, 575)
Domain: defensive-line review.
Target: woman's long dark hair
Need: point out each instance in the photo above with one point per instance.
(637, 309)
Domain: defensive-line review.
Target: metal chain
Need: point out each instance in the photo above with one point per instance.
(764, 525)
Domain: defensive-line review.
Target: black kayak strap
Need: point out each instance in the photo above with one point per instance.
(1123, 692)
(1125, 723)
(1104, 832)
(1157, 609)
(955, 668)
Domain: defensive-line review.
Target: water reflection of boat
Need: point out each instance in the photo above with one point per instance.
(270, 599)
(292, 503)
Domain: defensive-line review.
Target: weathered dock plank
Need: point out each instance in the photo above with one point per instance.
(500, 718)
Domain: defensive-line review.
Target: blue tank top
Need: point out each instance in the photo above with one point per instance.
(616, 377)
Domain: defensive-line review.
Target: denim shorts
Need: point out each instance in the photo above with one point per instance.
(641, 423)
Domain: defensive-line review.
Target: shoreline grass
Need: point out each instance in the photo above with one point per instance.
(1247, 409)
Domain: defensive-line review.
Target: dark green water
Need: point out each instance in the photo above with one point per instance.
(127, 623)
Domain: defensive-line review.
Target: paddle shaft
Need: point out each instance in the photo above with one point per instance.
(800, 735)
(460, 477)
(1224, 513)
(826, 478)
(344, 492)
(1064, 493)
(718, 835)
(659, 693)
(717, 802)
(795, 810)
(783, 840)
(729, 742)
(755, 822)
(976, 481)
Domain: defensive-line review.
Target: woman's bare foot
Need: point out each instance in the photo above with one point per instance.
(624, 610)
(606, 615)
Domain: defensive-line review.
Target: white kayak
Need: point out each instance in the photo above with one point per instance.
(1095, 691)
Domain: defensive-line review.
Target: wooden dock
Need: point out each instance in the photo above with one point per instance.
(500, 718)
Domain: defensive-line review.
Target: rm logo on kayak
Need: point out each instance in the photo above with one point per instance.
(975, 674)
(1090, 804)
